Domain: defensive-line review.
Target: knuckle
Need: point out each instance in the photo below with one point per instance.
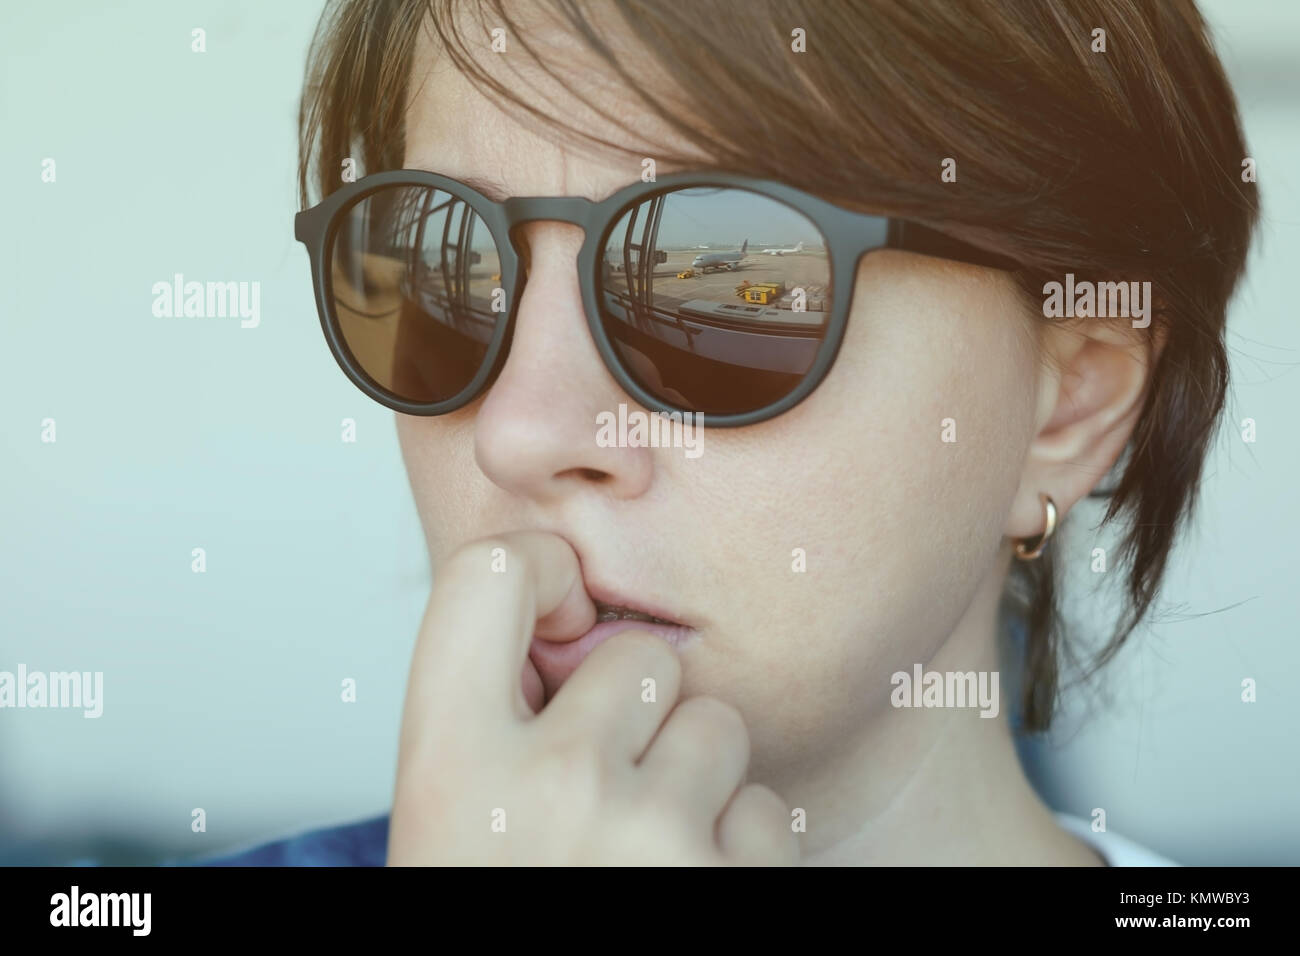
(478, 558)
(649, 652)
(761, 825)
(570, 772)
(479, 553)
(723, 722)
(662, 815)
(768, 805)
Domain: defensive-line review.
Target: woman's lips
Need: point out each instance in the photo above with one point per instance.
(556, 660)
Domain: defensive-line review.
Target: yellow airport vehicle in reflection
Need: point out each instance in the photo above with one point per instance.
(760, 293)
(686, 274)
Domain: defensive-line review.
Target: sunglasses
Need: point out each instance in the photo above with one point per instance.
(706, 293)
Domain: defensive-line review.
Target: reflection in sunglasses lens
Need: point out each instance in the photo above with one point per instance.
(412, 274)
(716, 300)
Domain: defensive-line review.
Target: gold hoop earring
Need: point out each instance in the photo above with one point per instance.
(1023, 551)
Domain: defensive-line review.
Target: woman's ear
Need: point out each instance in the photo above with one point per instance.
(1094, 381)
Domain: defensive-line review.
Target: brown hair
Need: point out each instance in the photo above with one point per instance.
(1124, 163)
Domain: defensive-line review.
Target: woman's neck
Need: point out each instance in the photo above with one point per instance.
(933, 785)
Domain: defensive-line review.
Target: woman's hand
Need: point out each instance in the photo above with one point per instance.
(599, 777)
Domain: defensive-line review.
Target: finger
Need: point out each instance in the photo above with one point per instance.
(473, 643)
(531, 683)
(619, 695)
(699, 758)
(755, 830)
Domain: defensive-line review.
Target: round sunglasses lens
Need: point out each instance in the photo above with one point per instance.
(716, 300)
(412, 275)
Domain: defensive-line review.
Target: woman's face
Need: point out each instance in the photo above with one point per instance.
(903, 532)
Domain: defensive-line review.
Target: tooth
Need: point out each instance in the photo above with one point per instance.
(605, 614)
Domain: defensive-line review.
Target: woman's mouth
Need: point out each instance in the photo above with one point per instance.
(556, 660)
(617, 612)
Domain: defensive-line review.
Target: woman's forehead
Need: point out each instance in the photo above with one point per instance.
(456, 128)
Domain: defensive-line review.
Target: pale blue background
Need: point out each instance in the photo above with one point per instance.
(222, 689)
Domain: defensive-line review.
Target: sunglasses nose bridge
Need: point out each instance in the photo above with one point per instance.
(520, 210)
(574, 210)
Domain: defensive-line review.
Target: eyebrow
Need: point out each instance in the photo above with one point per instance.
(493, 189)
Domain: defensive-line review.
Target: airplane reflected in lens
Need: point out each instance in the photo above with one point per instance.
(708, 326)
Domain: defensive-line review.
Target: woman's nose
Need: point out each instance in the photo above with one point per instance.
(536, 430)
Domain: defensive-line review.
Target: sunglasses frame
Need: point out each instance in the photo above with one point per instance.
(847, 236)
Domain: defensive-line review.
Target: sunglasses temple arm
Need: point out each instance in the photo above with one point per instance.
(914, 237)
